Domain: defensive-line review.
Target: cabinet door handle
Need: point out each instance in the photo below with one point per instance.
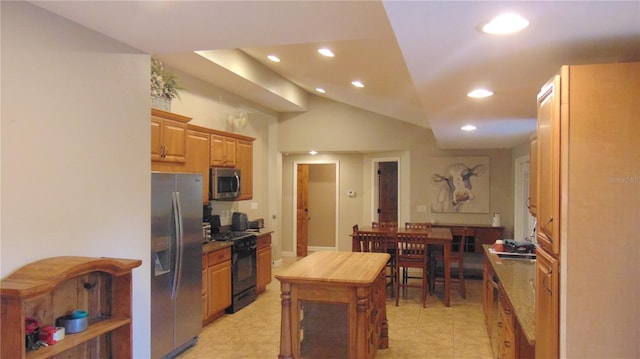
(544, 281)
(507, 344)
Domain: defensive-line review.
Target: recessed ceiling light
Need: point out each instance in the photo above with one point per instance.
(273, 58)
(325, 52)
(320, 89)
(480, 93)
(505, 24)
(468, 128)
(313, 152)
(357, 83)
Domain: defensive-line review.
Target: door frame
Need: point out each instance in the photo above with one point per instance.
(295, 198)
(375, 189)
(522, 219)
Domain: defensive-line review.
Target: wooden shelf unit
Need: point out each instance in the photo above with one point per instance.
(52, 287)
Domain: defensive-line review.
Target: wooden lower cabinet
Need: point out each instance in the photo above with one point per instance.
(50, 288)
(264, 262)
(547, 305)
(218, 285)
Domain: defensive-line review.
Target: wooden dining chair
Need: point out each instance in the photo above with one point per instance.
(417, 225)
(411, 252)
(384, 224)
(421, 226)
(456, 258)
(379, 242)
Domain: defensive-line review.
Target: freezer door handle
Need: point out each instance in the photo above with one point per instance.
(177, 215)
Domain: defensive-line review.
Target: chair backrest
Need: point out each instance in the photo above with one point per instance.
(417, 225)
(384, 224)
(459, 254)
(411, 247)
(379, 242)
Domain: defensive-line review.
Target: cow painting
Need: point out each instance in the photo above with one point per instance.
(454, 188)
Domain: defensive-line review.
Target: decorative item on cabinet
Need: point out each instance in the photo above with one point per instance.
(52, 287)
(164, 86)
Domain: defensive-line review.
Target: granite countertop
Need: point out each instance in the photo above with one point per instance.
(213, 246)
(517, 277)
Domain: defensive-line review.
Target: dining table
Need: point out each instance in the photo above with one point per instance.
(435, 236)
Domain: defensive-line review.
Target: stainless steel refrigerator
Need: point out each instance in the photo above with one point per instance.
(176, 260)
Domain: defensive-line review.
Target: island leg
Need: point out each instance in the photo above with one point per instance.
(285, 323)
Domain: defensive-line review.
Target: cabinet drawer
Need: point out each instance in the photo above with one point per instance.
(506, 313)
(219, 256)
(264, 241)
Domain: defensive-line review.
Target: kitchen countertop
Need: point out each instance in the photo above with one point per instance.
(517, 277)
(213, 246)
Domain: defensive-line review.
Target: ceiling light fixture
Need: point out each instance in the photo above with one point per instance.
(326, 52)
(313, 152)
(320, 89)
(273, 58)
(480, 93)
(468, 128)
(357, 83)
(505, 24)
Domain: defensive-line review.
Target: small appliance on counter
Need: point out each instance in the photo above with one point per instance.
(239, 222)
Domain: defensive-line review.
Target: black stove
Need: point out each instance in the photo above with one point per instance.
(241, 240)
(243, 267)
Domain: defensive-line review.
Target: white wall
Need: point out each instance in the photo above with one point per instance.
(75, 148)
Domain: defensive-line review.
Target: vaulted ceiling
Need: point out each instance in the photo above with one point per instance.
(417, 59)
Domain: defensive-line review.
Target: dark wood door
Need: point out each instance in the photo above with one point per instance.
(388, 191)
(302, 210)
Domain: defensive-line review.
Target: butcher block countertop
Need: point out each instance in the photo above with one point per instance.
(348, 268)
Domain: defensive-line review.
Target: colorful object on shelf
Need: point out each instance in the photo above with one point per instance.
(51, 335)
(75, 322)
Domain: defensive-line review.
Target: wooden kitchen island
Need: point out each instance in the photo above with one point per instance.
(334, 306)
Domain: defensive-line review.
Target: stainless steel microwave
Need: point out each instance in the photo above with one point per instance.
(224, 183)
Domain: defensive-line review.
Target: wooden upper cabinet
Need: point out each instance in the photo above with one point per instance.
(198, 144)
(168, 136)
(180, 147)
(223, 151)
(244, 159)
(548, 169)
(533, 177)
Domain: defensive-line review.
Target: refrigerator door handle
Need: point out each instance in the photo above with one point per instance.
(177, 272)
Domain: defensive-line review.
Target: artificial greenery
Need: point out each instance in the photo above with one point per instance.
(164, 83)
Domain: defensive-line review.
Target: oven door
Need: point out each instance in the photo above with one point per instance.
(243, 269)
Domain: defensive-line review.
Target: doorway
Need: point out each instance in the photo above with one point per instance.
(316, 206)
(386, 190)
(523, 222)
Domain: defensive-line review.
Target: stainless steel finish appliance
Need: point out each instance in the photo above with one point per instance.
(176, 258)
(224, 183)
(243, 268)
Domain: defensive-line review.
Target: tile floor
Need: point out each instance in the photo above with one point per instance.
(414, 332)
